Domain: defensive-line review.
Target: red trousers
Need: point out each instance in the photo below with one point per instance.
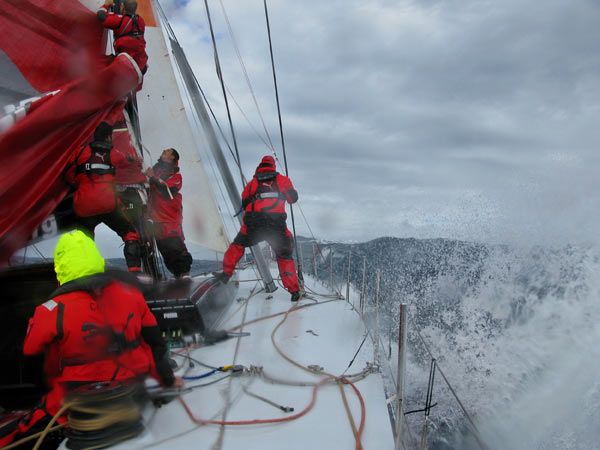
(268, 227)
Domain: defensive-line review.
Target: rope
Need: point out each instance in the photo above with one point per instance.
(357, 434)
(356, 354)
(33, 436)
(227, 394)
(274, 380)
(347, 407)
(298, 307)
(253, 292)
(194, 360)
(49, 426)
(204, 375)
(257, 421)
(195, 386)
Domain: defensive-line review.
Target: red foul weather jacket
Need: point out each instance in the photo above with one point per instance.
(96, 329)
(92, 173)
(267, 192)
(129, 35)
(165, 199)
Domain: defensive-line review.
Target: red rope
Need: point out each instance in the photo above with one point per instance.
(257, 421)
(363, 412)
(288, 418)
(297, 308)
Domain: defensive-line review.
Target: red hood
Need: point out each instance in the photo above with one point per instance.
(267, 164)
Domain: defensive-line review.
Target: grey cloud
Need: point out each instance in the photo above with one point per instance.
(449, 111)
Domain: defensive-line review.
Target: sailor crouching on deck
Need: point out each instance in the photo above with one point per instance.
(96, 327)
(128, 31)
(263, 201)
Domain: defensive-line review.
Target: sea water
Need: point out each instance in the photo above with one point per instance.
(519, 341)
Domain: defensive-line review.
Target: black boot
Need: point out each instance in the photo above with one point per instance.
(295, 296)
(222, 277)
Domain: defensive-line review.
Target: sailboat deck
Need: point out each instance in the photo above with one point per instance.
(326, 334)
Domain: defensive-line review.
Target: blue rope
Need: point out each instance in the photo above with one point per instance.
(204, 375)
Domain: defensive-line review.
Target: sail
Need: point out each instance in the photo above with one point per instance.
(49, 46)
(164, 124)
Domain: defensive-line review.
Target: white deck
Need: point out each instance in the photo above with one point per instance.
(326, 334)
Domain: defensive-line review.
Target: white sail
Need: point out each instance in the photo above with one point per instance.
(164, 124)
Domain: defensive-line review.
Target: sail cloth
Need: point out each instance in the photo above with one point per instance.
(164, 124)
(54, 46)
(50, 42)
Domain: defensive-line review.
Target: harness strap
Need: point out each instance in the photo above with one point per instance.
(60, 315)
(95, 169)
(267, 195)
(135, 28)
(275, 193)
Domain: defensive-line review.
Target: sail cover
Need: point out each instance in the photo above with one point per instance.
(164, 124)
(53, 48)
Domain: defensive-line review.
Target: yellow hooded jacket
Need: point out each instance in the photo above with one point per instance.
(76, 256)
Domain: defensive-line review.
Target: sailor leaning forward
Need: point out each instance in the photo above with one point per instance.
(263, 201)
(92, 174)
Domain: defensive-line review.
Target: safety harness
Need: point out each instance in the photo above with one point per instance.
(135, 32)
(118, 343)
(262, 192)
(96, 164)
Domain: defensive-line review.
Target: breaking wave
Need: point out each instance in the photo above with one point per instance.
(516, 332)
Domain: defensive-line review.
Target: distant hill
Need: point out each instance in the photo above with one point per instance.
(407, 266)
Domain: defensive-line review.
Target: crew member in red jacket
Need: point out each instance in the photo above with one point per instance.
(128, 31)
(92, 174)
(263, 200)
(95, 327)
(166, 212)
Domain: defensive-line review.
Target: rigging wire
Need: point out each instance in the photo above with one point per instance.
(475, 430)
(220, 76)
(249, 122)
(173, 37)
(219, 73)
(300, 275)
(212, 163)
(40, 253)
(241, 61)
(236, 159)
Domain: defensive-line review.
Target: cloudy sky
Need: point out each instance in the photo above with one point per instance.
(465, 119)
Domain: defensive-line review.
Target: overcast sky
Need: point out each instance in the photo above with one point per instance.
(463, 119)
